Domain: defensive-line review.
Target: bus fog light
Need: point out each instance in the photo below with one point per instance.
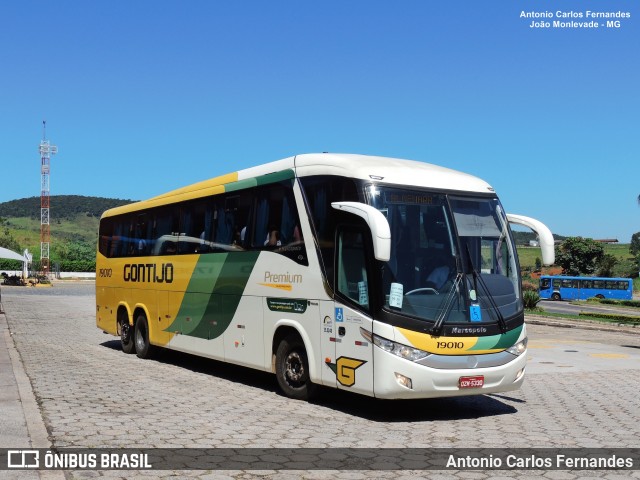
(520, 374)
(404, 381)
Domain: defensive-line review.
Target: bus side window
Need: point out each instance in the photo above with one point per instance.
(164, 231)
(351, 270)
(225, 222)
(107, 238)
(142, 235)
(277, 226)
(193, 235)
(267, 227)
(545, 283)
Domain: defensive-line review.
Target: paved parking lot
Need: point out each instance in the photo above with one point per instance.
(92, 395)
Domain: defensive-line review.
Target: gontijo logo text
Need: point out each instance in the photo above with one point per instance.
(148, 272)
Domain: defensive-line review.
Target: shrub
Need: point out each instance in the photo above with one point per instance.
(530, 299)
(609, 301)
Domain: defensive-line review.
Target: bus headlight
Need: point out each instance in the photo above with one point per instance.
(519, 348)
(402, 351)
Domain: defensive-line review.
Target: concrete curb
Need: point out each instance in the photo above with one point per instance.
(583, 324)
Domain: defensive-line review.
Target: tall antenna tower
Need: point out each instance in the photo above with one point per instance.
(46, 150)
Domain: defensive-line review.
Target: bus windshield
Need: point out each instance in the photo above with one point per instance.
(452, 260)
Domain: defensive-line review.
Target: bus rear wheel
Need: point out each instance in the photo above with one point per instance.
(292, 369)
(126, 335)
(144, 349)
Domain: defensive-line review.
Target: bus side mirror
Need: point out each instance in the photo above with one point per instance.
(378, 224)
(544, 234)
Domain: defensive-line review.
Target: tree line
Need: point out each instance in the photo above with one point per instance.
(65, 206)
(585, 256)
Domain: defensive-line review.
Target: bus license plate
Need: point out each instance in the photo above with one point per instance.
(471, 382)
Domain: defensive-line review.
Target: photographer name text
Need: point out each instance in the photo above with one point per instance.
(574, 20)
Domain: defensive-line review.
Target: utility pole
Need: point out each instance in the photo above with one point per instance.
(46, 150)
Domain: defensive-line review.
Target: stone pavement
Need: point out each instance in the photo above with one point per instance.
(21, 423)
(90, 394)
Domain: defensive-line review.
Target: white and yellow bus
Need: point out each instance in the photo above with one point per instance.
(387, 277)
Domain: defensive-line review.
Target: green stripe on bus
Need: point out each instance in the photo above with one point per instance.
(240, 185)
(494, 342)
(213, 294)
(275, 177)
(259, 181)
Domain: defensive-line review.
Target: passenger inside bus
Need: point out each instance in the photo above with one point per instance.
(273, 237)
(440, 275)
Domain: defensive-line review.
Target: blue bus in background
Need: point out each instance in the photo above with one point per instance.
(581, 288)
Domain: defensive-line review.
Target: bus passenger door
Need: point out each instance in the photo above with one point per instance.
(328, 334)
(353, 364)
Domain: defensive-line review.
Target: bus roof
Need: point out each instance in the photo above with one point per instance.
(385, 170)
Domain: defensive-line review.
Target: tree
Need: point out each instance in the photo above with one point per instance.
(606, 266)
(577, 255)
(7, 241)
(75, 257)
(634, 248)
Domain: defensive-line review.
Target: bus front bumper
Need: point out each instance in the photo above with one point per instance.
(396, 378)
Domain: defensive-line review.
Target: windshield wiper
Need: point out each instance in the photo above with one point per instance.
(478, 278)
(435, 330)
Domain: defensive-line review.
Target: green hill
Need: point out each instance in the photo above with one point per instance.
(73, 224)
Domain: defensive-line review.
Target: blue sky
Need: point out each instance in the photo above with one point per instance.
(142, 96)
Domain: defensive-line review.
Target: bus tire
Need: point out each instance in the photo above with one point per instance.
(144, 349)
(600, 296)
(556, 296)
(126, 335)
(292, 369)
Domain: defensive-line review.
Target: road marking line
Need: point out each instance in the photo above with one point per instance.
(609, 355)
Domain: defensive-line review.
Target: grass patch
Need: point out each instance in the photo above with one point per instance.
(609, 301)
(591, 317)
(613, 318)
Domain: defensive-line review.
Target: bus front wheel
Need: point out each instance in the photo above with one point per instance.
(292, 369)
(144, 349)
(555, 296)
